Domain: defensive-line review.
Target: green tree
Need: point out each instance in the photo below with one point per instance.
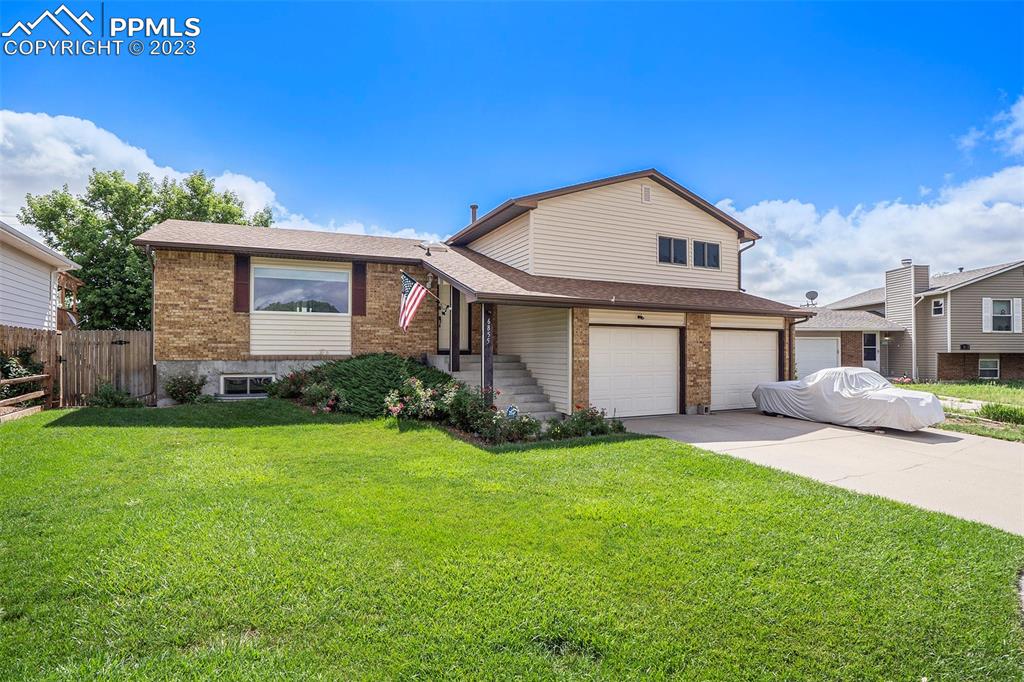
(95, 229)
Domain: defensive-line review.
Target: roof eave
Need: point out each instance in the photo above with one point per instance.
(569, 301)
(259, 251)
(513, 208)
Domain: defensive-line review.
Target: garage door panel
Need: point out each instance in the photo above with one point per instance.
(634, 371)
(814, 353)
(740, 360)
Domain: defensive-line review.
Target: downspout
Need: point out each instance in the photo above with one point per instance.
(913, 335)
(792, 345)
(739, 264)
(151, 257)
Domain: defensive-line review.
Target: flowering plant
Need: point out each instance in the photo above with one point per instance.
(902, 380)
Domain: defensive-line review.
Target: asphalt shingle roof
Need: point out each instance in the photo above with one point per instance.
(936, 283)
(481, 277)
(848, 320)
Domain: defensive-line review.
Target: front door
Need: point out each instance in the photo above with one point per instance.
(444, 321)
(870, 358)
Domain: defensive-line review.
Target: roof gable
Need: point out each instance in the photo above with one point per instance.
(514, 208)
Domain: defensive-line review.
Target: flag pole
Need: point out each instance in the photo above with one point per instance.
(446, 306)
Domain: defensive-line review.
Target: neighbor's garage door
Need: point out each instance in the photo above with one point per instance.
(634, 370)
(814, 354)
(740, 360)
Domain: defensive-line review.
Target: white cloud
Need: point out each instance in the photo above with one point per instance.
(969, 140)
(924, 191)
(1005, 129)
(979, 222)
(1010, 128)
(40, 153)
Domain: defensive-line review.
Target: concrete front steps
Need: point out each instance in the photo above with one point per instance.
(515, 384)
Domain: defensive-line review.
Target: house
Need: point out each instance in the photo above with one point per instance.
(953, 326)
(622, 293)
(35, 283)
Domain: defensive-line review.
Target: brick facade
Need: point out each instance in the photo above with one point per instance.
(194, 318)
(698, 359)
(580, 357)
(377, 331)
(193, 308)
(851, 349)
(964, 366)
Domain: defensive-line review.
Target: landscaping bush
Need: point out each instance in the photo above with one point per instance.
(367, 380)
(183, 388)
(288, 387)
(108, 396)
(323, 397)
(584, 422)
(415, 400)
(1010, 414)
(19, 364)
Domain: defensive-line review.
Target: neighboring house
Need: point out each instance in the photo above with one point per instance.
(622, 293)
(31, 282)
(960, 325)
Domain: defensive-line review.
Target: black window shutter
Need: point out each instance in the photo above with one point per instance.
(359, 288)
(241, 284)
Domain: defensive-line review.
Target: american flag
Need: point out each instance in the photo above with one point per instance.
(413, 294)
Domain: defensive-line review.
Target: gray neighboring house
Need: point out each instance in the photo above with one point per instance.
(954, 326)
(29, 280)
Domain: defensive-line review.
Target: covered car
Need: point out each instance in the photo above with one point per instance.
(850, 396)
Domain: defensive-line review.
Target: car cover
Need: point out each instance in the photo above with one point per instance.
(850, 396)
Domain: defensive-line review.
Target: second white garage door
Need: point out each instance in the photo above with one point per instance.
(634, 370)
(740, 360)
(813, 354)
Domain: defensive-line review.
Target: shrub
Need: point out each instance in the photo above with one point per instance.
(468, 411)
(108, 396)
(19, 364)
(289, 386)
(584, 422)
(1002, 413)
(323, 397)
(183, 388)
(367, 380)
(416, 400)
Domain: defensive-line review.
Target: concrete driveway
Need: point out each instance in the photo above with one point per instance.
(976, 478)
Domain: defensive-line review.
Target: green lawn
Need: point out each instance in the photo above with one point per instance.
(1006, 392)
(259, 541)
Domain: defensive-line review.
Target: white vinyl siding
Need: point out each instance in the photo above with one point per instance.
(289, 333)
(28, 291)
(542, 338)
(747, 322)
(608, 233)
(509, 244)
(632, 317)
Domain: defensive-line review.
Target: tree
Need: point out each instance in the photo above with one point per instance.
(95, 229)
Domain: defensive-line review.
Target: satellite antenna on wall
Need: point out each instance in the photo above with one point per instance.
(812, 296)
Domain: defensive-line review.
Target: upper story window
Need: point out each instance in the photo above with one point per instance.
(1002, 315)
(672, 250)
(706, 255)
(300, 290)
(938, 307)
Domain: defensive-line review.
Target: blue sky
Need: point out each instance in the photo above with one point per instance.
(400, 115)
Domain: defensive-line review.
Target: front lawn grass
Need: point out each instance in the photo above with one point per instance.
(969, 423)
(255, 540)
(1006, 392)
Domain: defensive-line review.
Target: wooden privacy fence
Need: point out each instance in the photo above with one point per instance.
(93, 358)
(46, 343)
(88, 359)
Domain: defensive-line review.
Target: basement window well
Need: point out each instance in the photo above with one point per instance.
(245, 385)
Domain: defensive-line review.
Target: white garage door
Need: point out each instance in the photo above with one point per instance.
(634, 370)
(740, 360)
(814, 354)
